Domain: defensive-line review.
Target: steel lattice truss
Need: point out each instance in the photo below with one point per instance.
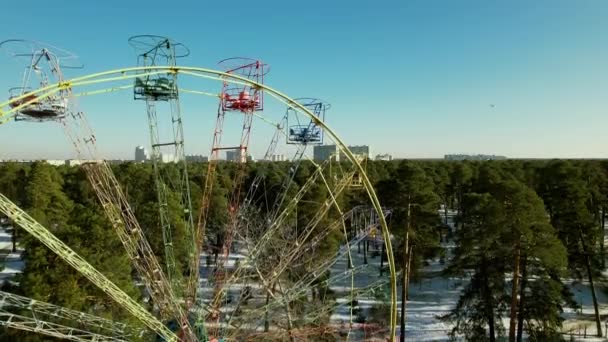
(155, 89)
(28, 314)
(287, 283)
(23, 220)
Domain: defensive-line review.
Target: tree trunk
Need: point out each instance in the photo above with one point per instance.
(14, 236)
(461, 218)
(488, 301)
(403, 301)
(405, 271)
(514, 288)
(405, 281)
(289, 319)
(602, 237)
(522, 297)
(459, 213)
(598, 321)
(382, 260)
(410, 256)
(459, 194)
(266, 322)
(266, 318)
(365, 251)
(445, 211)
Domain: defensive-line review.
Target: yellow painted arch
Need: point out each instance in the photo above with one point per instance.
(133, 72)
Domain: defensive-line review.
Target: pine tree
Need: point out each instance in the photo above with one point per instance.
(460, 179)
(61, 200)
(506, 232)
(568, 197)
(480, 251)
(409, 193)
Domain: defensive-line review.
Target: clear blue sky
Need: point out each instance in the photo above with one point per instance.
(410, 78)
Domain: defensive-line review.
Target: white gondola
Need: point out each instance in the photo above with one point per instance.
(44, 63)
(30, 107)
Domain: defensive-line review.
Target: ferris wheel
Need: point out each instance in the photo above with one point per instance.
(284, 263)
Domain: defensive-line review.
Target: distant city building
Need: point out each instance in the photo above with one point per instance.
(68, 162)
(55, 162)
(233, 156)
(168, 158)
(141, 155)
(361, 151)
(277, 157)
(65, 162)
(197, 158)
(385, 156)
(324, 152)
(116, 161)
(473, 157)
(74, 162)
(236, 156)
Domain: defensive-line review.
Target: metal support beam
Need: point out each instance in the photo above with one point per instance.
(41, 317)
(23, 220)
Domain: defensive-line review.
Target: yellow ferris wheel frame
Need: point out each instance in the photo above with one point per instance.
(124, 74)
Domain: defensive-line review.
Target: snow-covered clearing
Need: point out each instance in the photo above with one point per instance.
(435, 295)
(12, 261)
(430, 297)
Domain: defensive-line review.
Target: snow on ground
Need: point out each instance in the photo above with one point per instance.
(430, 298)
(434, 296)
(13, 262)
(582, 322)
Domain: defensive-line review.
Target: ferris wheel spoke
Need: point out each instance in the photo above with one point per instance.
(33, 324)
(261, 243)
(312, 317)
(61, 106)
(43, 317)
(208, 189)
(306, 283)
(283, 192)
(310, 228)
(155, 89)
(120, 214)
(260, 176)
(280, 268)
(276, 250)
(67, 254)
(243, 99)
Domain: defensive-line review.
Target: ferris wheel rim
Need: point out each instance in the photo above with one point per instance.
(220, 75)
